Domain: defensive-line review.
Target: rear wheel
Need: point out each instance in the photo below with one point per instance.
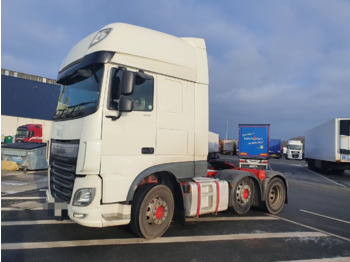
(152, 211)
(242, 196)
(311, 164)
(276, 196)
(338, 171)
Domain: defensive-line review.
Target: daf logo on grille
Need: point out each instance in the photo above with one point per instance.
(60, 150)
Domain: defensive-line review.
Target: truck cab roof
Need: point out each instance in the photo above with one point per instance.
(184, 58)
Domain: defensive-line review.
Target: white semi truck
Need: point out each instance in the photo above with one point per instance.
(327, 146)
(294, 150)
(130, 136)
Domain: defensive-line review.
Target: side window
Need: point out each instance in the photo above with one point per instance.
(31, 133)
(142, 96)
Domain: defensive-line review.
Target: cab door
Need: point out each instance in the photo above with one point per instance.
(128, 138)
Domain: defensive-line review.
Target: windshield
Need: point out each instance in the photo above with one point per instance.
(22, 132)
(79, 93)
(294, 147)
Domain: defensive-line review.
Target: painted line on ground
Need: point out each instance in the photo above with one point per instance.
(21, 209)
(204, 219)
(312, 228)
(35, 222)
(298, 165)
(211, 219)
(330, 180)
(22, 198)
(333, 259)
(161, 240)
(320, 215)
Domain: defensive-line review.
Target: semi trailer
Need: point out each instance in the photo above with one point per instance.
(130, 137)
(275, 148)
(213, 145)
(327, 146)
(228, 146)
(254, 145)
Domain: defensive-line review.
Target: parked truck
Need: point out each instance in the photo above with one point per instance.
(228, 146)
(130, 136)
(32, 133)
(213, 145)
(254, 145)
(294, 150)
(275, 148)
(327, 146)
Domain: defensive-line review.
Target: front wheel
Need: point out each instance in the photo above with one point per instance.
(242, 196)
(152, 211)
(276, 196)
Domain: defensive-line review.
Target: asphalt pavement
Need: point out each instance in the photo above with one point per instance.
(313, 226)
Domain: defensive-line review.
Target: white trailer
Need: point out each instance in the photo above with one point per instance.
(213, 145)
(130, 136)
(227, 146)
(294, 150)
(327, 146)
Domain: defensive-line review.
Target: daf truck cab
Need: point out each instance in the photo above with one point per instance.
(130, 135)
(133, 103)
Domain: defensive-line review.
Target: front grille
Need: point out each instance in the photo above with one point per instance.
(62, 173)
(62, 176)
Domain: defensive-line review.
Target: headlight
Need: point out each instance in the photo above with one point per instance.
(102, 34)
(84, 196)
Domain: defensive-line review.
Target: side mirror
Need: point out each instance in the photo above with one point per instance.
(128, 83)
(125, 104)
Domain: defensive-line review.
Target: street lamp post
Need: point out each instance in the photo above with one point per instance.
(226, 123)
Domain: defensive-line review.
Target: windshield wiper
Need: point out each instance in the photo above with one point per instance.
(77, 106)
(58, 114)
(67, 112)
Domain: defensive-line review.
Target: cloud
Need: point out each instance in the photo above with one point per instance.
(281, 62)
(286, 70)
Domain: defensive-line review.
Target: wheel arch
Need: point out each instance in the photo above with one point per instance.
(165, 177)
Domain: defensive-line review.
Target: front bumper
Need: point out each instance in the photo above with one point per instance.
(96, 214)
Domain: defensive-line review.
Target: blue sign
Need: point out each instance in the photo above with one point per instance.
(345, 157)
(17, 159)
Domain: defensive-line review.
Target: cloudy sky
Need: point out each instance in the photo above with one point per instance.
(278, 62)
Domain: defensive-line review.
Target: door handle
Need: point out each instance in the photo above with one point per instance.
(147, 150)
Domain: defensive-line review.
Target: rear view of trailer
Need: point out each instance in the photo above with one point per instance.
(254, 145)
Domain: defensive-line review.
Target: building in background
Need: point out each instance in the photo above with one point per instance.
(27, 99)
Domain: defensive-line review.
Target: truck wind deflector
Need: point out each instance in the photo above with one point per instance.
(101, 57)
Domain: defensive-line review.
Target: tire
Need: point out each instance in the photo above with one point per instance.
(242, 196)
(337, 171)
(152, 211)
(311, 164)
(275, 196)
